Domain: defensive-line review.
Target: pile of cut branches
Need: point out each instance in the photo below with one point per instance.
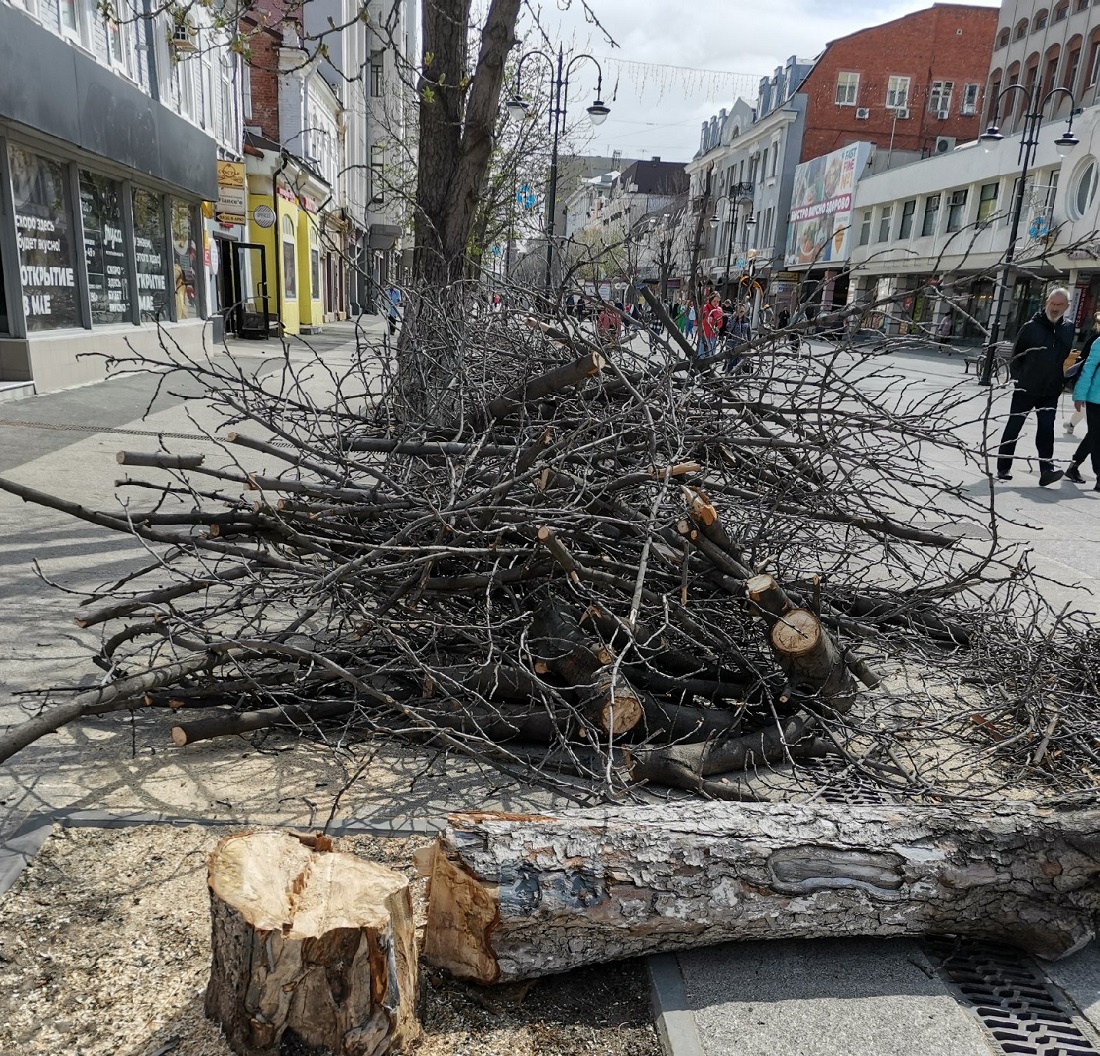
(606, 570)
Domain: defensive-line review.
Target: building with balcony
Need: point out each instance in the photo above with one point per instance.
(111, 132)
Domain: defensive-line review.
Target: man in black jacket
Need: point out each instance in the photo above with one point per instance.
(1037, 356)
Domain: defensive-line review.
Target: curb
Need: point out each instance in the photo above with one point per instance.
(27, 840)
(672, 1017)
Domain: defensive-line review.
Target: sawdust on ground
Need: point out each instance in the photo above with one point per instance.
(105, 951)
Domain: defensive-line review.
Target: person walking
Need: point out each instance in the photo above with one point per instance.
(393, 295)
(738, 332)
(689, 320)
(1086, 398)
(1039, 351)
(710, 325)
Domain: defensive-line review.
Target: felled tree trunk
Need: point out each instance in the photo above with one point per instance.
(516, 896)
(309, 944)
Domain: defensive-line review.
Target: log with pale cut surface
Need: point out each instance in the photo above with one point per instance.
(310, 943)
(517, 896)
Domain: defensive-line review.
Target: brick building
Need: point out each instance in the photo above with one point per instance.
(912, 86)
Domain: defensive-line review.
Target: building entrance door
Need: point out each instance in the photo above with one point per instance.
(246, 296)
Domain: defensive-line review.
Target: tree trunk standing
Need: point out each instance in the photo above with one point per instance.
(458, 114)
(517, 896)
(316, 945)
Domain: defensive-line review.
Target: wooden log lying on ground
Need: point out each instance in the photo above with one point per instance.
(518, 896)
(309, 946)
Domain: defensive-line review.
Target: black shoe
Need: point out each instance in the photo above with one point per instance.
(1004, 476)
(1050, 476)
(1074, 474)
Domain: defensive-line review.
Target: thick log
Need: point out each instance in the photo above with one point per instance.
(309, 946)
(519, 896)
(295, 716)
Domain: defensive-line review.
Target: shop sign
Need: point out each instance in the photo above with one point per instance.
(231, 207)
(308, 204)
(264, 216)
(287, 196)
(104, 249)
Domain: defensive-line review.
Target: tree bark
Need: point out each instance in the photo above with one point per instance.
(309, 944)
(519, 896)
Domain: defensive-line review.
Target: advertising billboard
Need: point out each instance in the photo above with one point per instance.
(821, 206)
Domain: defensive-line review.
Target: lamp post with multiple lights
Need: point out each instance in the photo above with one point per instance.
(1036, 103)
(731, 219)
(559, 100)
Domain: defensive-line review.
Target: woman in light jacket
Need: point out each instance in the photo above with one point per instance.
(1086, 394)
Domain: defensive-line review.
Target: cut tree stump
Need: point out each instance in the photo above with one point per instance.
(518, 896)
(310, 945)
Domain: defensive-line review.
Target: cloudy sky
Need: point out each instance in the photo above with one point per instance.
(662, 98)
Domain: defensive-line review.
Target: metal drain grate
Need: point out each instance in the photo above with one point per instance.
(1014, 1000)
(839, 783)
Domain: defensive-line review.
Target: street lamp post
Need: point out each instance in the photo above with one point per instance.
(559, 100)
(715, 220)
(1029, 140)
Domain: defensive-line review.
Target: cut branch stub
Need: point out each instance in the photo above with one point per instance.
(811, 660)
(314, 946)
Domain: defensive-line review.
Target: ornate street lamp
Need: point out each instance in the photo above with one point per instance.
(517, 108)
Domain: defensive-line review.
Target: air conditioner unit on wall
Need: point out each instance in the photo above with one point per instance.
(862, 113)
(943, 115)
(944, 144)
(902, 113)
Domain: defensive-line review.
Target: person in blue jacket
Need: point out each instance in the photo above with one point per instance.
(1086, 395)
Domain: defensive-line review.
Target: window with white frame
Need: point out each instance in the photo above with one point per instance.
(847, 88)
(931, 215)
(865, 227)
(70, 15)
(885, 217)
(120, 38)
(1094, 64)
(227, 133)
(187, 83)
(939, 95)
(290, 259)
(897, 93)
(775, 158)
(908, 210)
(969, 99)
(956, 209)
(30, 6)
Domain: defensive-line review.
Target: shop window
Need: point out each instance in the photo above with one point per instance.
(105, 249)
(5, 324)
(314, 267)
(290, 271)
(931, 214)
(47, 254)
(908, 211)
(956, 210)
(186, 269)
(152, 258)
(987, 202)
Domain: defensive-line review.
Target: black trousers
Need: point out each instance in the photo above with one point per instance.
(1023, 403)
(1086, 447)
